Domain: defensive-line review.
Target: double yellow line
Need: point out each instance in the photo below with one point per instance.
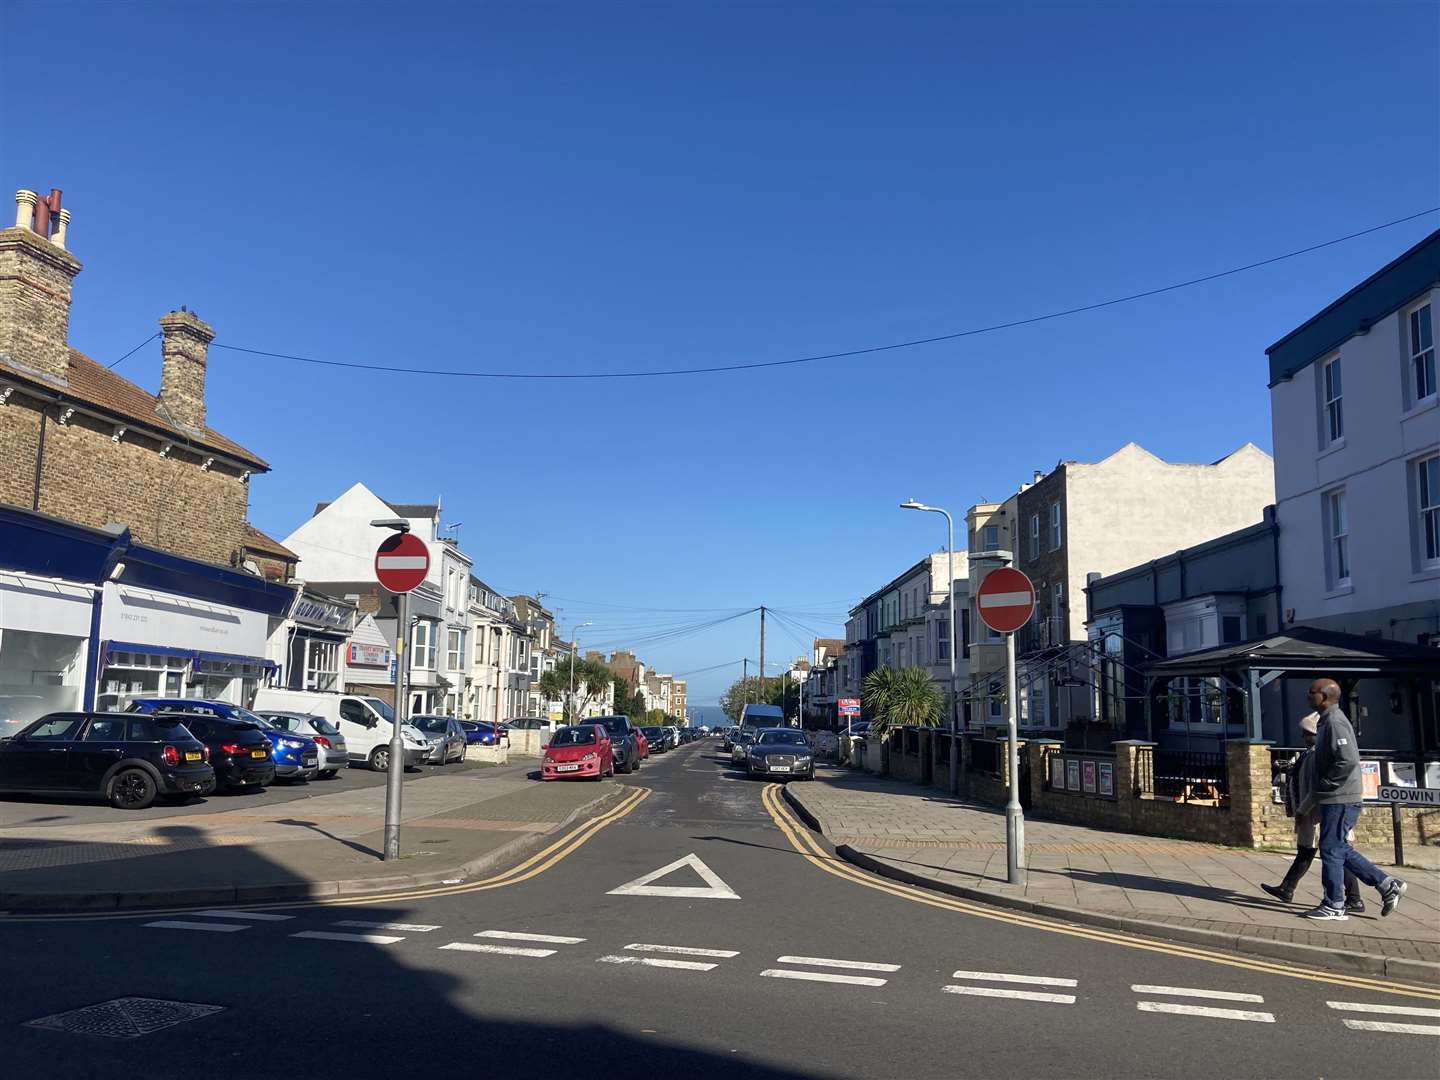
(804, 843)
(536, 864)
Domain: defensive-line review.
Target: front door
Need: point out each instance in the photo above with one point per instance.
(101, 745)
(40, 758)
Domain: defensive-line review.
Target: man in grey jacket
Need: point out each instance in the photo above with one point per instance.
(1338, 792)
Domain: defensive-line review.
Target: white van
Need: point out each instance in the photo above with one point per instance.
(365, 722)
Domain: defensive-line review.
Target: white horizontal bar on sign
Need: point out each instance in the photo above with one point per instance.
(365, 939)
(1393, 1010)
(180, 924)
(256, 916)
(515, 935)
(414, 928)
(1006, 599)
(1190, 991)
(501, 950)
(1176, 1009)
(998, 976)
(1020, 995)
(681, 950)
(821, 976)
(659, 962)
(851, 965)
(402, 562)
(1393, 1029)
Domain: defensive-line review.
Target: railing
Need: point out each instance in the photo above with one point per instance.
(1081, 772)
(1182, 775)
(987, 756)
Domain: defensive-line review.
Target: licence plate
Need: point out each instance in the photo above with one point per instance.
(259, 753)
(191, 755)
(566, 768)
(311, 760)
(779, 768)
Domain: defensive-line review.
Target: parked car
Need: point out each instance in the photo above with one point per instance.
(624, 741)
(672, 733)
(332, 750)
(582, 750)
(366, 722)
(445, 736)
(740, 741)
(240, 751)
(481, 734)
(643, 742)
(782, 753)
(128, 760)
(296, 757)
(656, 738)
(533, 723)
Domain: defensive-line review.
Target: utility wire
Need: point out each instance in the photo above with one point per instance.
(132, 352)
(719, 368)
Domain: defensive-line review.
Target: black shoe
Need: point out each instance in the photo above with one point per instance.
(1390, 898)
(1279, 893)
(1325, 913)
(1355, 907)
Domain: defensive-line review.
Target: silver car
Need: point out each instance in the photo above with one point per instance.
(445, 736)
(329, 743)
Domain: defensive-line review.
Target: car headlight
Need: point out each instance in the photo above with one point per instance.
(590, 757)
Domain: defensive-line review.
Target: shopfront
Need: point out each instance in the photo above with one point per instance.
(320, 628)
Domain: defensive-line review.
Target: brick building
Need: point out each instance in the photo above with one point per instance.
(82, 443)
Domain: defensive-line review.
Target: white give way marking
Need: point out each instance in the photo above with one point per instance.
(713, 889)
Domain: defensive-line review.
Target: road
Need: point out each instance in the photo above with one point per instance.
(771, 960)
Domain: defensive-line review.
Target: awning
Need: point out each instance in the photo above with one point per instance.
(185, 654)
(231, 658)
(1307, 649)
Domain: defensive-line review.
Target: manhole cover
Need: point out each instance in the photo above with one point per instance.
(125, 1018)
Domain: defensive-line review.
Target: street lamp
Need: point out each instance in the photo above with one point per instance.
(396, 766)
(574, 648)
(954, 636)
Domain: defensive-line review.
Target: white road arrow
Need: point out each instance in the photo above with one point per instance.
(713, 889)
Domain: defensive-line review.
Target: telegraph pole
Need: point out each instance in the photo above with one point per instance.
(762, 654)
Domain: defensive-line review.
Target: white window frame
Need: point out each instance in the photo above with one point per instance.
(1421, 340)
(1057, 538)
(322, 665)
(1427, 512)
(991, 534)
(455, 649)
(1034, 536)
(422, 645)
(1337, 537)
(1332, 402)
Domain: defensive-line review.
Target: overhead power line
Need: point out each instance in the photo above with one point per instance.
(865, 351)
(133, 351)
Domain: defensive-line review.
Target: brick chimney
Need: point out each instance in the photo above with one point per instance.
(36, 278)
(184, 351)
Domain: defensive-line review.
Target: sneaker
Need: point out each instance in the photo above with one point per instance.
(1324, 913)
(1355, 907)
(1279, 893)
(1390, 898)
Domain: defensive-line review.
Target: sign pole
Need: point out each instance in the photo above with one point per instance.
(394, 775)
(1014, 816)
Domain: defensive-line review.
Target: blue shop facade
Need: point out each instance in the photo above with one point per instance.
(90, 618)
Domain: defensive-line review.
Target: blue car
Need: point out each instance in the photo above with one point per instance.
(478, 734)
(297, 757)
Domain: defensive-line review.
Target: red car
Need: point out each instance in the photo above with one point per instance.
(642, 742)
(581, 750)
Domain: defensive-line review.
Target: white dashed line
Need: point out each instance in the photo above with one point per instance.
(723, 954)
(851, 965)
(821, 976)
(1393, 1029)
(1019, 995)
(180, 924)
(1190, 991)
(1204, 1010)
(502, 950)
(512, 935)
(254, 916)
(366, 939)
(1000, 976)
(1393, 1010)
(651, 961)
(415, 928)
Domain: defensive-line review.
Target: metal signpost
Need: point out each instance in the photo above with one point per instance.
(401, 564)
(1005, 602)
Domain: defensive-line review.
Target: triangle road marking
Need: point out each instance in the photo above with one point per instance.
(713, 889)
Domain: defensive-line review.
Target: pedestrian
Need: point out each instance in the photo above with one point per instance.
(1300, 804)
(1338, 791)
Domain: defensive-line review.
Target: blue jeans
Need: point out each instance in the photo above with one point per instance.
(1337, 856)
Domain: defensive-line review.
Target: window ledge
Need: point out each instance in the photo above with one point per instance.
(1429, 573)
(1423, 407)
(1343, 590)
(1333, 448)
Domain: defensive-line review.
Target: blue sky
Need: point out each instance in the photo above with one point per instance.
(600, 186)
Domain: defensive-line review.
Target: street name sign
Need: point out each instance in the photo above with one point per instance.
(401, 562)
(1409, 796)
(1005, 600)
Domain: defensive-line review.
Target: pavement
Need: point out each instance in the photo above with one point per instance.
(693, 929)
(1168, 888)
(317, 839)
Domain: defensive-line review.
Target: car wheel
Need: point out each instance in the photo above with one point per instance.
(132, 789)
(328, 774)
(380, 759)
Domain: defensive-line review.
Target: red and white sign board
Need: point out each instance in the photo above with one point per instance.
(1006, 600)
(849, 706)
(402, 562)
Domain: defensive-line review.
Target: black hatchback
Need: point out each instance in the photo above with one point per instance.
(239, 751)
(129, 760)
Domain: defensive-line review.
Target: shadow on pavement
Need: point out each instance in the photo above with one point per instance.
(353, 845)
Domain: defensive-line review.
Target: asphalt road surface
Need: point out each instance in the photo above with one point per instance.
(756, 956)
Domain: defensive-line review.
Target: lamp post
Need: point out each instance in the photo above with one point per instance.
(950, 590)
(574, 648)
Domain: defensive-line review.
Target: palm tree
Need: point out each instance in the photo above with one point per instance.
(875, 695)
(555, 685)
(905, 698)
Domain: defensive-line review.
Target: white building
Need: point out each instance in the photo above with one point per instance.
(1357, 457)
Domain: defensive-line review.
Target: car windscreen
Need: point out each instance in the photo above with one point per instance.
(651, 732)
(781, 738)
(323, 726)
(434, 724)
(573, 736)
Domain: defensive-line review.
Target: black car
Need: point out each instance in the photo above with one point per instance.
(130, 760)
(239, 750)
(782, 753)
(622, 741)
(658, 740)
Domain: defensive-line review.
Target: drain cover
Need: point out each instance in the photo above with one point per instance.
(125, 1018)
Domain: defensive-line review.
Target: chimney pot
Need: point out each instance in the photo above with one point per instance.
(62, 225)
(25, 209)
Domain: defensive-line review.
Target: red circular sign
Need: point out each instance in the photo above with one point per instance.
(1006, 600)
(402, 562)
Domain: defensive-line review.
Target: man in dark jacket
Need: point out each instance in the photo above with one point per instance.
(1338, 792)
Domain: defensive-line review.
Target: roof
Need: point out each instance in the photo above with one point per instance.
(99, 388)
(1389, 288)
(255, 540)
(405, 510)
(1307, 649)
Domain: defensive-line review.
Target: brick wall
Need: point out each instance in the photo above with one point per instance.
(36, 279)
(19, 440)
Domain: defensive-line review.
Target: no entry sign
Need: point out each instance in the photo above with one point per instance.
(1006, 600)
(402, 562)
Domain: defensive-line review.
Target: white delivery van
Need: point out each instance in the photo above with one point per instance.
(365, 722)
